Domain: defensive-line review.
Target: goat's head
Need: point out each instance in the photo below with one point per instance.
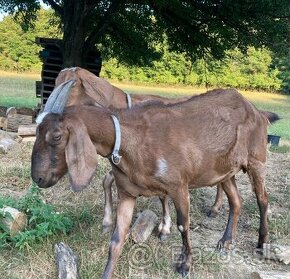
(89, 89)
(62, 145)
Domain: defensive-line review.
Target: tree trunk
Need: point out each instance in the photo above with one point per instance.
(74, 33)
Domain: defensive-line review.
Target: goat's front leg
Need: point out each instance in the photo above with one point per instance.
(232, 193)
(256, 172)
(181, 202)
(164, 227)
(125, 210)
(219, 199)
(108, 209)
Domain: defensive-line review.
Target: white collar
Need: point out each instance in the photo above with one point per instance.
(115, 157)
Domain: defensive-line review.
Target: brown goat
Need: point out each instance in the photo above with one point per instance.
(92, 90)
(165, 149)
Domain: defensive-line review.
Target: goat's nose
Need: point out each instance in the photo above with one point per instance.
(38, 180)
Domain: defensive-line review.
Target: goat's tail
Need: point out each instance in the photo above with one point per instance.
(271, 116)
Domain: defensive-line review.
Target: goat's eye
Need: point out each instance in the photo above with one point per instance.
(57, 137)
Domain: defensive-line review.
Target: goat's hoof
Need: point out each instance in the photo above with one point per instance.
(212, 213)
(106, 229)
(183, 269)
(224, 246)
(163, 237)
(259, 251)
(260, 248)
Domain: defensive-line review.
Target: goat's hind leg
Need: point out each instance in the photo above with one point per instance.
(219, 200)
(108, 208)
(164, 227)
(182, 202)
(234, 199)
(256, 172)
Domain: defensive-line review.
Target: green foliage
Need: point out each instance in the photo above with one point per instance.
(283, 64)
(280, 149)
(18, 50)
(43, 220)
(128, 30)
(253, 70)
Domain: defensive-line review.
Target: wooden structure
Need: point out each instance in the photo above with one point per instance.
(52, 58)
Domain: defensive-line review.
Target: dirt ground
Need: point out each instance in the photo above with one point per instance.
(153, 259)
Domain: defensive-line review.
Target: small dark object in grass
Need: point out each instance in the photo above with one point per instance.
(274, 140)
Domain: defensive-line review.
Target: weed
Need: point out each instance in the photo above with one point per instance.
(43, 220)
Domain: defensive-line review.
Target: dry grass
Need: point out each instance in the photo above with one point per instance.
(153, 259)
(20, 75)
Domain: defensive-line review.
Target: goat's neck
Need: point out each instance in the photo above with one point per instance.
(119, 100)
(101, 129)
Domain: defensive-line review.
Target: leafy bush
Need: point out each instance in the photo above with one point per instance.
(252, 70)
(283, 73)
(18, 50)
(43, 220)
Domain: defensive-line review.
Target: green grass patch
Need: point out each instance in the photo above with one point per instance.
(17, 91)
(279, 226)
(280, 149)
(43, 220)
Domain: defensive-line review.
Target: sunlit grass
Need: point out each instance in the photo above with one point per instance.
(17, 91)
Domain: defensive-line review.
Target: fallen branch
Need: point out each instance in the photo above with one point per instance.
(27, 130)
(143, 226)
(66, 261)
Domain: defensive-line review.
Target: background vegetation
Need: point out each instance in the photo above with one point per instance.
(253, 69)
(19, 90)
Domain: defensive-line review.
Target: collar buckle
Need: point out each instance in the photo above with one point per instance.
(116, 159)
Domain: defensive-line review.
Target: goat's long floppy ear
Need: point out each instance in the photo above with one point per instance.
(97, 88)
(81, 157)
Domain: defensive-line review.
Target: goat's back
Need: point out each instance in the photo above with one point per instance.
(217, 131)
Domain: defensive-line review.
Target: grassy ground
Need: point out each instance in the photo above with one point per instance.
(17, 90)
(153, 259)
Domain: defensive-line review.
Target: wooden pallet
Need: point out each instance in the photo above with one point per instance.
(52, 58)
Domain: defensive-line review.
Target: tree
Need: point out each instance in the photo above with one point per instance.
(18, 51)
(128, 29)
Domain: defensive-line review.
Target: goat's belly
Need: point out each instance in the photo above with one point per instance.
(211, 178)
(142, 187)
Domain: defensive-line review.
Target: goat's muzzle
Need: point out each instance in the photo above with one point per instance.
(41, 182)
